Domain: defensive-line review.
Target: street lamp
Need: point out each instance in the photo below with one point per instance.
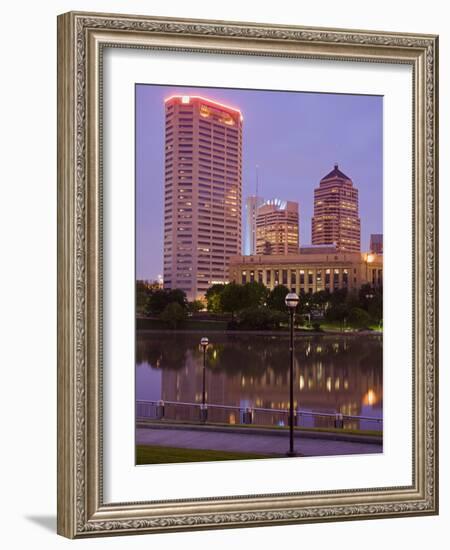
(291, 302)
(204, 342)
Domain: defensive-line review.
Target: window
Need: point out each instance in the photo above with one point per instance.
(345, 278)
(336, 278)
(302, 277)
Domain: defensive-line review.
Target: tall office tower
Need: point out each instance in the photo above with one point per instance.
(203, 193)
(252, 204)
(335, 220)
(376, 243)
(277, 228)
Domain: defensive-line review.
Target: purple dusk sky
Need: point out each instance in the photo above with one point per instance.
(294, 137)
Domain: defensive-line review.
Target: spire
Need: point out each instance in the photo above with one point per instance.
(336, 173)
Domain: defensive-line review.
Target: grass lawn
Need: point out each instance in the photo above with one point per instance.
(339, 327)
(153, 454)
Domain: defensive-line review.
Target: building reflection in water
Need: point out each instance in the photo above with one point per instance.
(333, 374)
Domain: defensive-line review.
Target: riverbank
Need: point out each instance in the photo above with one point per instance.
(214, 325)
(298, 332)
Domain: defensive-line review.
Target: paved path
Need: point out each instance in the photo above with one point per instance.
(251, 443)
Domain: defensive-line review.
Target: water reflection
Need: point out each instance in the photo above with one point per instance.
(333, 373)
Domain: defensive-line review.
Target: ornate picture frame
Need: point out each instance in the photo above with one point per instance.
(82, 38)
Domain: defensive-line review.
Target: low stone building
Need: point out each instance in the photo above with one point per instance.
(311, 270)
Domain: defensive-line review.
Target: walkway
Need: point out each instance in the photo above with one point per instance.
(260, 443)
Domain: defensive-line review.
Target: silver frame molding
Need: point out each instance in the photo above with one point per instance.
(81, 39)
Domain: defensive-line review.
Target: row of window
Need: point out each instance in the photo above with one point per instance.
(304, 277)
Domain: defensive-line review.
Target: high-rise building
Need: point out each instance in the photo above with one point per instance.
(376, 243)
(203, 192)
(252, 204)
(336, 220)
(277, 228)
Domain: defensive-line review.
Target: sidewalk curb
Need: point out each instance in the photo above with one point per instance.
(350, 438)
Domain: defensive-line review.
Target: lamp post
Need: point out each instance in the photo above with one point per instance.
(203, 409)
(291, 302)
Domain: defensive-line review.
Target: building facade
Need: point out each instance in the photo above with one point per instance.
(336, 219)
(277, 228)
(310, 271)
(252, 204)
(376, 243)
(203, 192)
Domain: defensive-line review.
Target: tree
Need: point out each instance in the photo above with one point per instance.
(156, 302)
(358, 318)
(352, 299)
(254, 294)
(195, 306)
(231, 298)
(338, 312)
(260, 318)
(338, 296)
(276, 298)
(375, 308)
(179, 296)
(158, 299)
(320, 301)
(212, 296)
(366, 294)
(174, 315)
(142, 293)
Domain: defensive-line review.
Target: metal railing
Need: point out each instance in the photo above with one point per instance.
(258, 416)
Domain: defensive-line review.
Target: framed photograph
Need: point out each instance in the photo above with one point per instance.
(247, 283)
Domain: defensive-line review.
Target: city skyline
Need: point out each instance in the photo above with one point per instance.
(318, 130)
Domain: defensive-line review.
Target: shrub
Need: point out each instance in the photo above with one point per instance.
(358, 318)
(260, 318)
(173, 315)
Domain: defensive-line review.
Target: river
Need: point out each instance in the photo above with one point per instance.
(333, 374)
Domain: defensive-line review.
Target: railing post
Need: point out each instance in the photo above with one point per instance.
(203, 412)
(339, 421)
(298, 418)
(160, 409)
(247, 417)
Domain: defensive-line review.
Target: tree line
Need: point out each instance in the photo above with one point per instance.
(252, 306)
